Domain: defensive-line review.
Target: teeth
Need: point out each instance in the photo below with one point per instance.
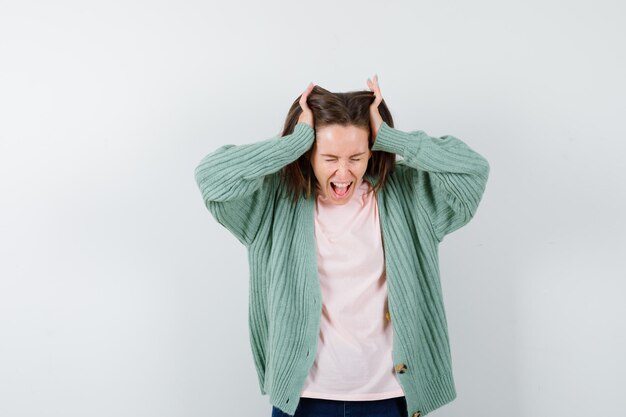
(342, 184)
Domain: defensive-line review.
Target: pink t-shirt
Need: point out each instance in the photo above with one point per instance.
(353, 359)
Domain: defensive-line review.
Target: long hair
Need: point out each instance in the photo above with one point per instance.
(345, 109)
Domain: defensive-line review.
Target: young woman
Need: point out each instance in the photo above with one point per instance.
(346, 311)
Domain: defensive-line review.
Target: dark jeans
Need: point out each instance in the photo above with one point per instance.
(318, 407)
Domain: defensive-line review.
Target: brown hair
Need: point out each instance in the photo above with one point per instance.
(351, 108)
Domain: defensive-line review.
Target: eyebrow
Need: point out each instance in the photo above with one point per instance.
(356, 154)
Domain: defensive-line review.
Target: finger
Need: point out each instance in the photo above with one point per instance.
(303, 104)
(377, 88)
(375, 80)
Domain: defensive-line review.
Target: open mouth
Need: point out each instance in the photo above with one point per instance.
(341, 189)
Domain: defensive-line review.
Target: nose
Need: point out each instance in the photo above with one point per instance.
(343, 170)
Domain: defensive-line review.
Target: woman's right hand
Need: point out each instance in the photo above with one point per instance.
(307, 115)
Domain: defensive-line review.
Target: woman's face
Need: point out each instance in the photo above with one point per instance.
(340, 156)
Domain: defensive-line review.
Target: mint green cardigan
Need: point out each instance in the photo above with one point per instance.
(434, 190)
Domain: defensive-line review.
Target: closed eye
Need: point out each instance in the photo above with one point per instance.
(331, 160)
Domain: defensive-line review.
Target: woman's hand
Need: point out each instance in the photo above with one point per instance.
(307, 115)
(375, 119)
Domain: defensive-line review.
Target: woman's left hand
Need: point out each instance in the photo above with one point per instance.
(375, 119)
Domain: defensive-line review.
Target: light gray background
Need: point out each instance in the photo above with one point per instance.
(120, 295)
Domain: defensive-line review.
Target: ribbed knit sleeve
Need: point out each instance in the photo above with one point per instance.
(449, 177)
(233, 179)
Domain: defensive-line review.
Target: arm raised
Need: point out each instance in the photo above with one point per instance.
(449, 177)
(234, 180)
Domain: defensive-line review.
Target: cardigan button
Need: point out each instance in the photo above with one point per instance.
(387, 316)
(401, 368)
(418, 413)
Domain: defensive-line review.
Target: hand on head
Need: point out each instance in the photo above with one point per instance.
(375, 118)
(307, 115)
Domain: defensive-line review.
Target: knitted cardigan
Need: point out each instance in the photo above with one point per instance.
(433, 190)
